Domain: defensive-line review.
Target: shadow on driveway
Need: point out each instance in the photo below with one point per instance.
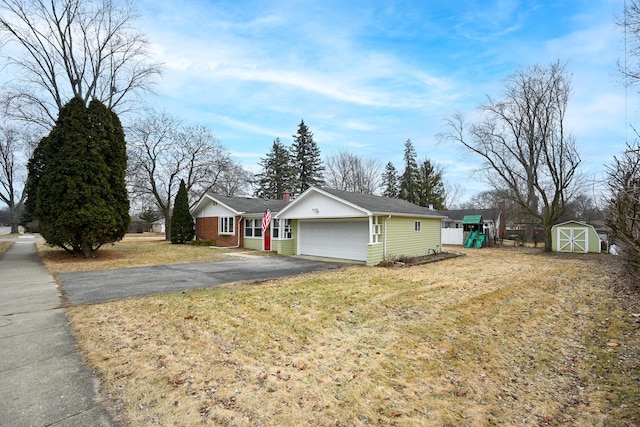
(98, 286)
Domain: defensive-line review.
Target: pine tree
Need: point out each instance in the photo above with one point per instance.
(430, 185)
(410, 176)
(79, 198)
(306, 160)
(277, 173)
(181, 221)
(390, 181)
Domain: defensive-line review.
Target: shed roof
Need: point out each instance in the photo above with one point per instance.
(472, 219)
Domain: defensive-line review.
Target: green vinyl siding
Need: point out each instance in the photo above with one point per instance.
(403, 240)
(284, 247)
(375, 253)
(253, 243)
(287, 246)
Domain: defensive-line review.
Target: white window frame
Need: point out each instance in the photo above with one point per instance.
(376, 230)
(255, 225)
(283, 229)
(226, 225)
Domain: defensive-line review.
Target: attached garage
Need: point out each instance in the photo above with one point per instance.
(576, 237)
(334, 239)
(360, 227)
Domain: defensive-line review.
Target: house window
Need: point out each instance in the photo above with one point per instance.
(281, 225)
(416, 226)
(225, 225)
(252, 228)
(376, 232)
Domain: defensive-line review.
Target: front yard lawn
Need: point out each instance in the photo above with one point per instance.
(500, 336)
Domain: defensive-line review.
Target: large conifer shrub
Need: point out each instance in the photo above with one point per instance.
(181, 221)
(76, 185)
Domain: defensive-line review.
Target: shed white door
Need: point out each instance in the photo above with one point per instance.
(573, 239)
(334, 239)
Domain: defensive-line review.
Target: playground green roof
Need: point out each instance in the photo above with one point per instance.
(472, 219)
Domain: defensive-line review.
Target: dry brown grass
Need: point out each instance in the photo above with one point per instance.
(498, 337)
(133, 251)
(4, 246)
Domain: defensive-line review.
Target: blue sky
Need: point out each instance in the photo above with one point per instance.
(366, 75)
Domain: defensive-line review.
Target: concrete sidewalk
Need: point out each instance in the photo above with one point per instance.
(43, 380)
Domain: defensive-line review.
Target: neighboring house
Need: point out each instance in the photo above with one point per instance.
(324, 222)
(452, 225)
(137, 225)
(575, 236)
(158, 226)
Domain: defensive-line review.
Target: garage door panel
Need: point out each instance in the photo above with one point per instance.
(334, 239)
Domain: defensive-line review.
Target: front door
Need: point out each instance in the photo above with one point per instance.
(267, 239)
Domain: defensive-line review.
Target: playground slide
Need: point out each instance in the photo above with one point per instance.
(470, 238)
(479, 241)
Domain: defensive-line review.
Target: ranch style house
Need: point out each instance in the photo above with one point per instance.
(321, 222)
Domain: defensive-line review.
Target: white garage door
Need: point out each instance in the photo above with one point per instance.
(339, 239)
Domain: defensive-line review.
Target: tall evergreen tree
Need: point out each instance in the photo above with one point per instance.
(390, 181)
(277, 173)
(181, 221)
(109, 134)
(430, 185)
(410, 177)
(75, 194)
(306, 160)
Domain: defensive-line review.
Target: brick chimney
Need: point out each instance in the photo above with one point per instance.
(286, 196)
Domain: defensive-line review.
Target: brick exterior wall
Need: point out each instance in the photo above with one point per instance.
(207, 229)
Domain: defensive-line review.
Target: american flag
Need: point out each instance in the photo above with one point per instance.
(266, 220)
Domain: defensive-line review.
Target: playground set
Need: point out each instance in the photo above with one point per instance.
(474, 226)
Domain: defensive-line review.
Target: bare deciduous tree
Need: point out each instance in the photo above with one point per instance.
(623, 214)
(452, 194)
(349, 172)
(524, 144)
(234, 181)
(630, 23)
(59, 49)
(16, 147)
(162, 152)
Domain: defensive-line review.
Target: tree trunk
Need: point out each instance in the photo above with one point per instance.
(88, 251)
(167, 226)
(15, 212)
(547, 238)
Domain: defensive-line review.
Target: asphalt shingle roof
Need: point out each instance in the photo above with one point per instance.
(249, 205)
(372, 203)
(381, 204)
(459, 214)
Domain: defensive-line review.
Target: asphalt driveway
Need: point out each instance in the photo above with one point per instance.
(98, 286)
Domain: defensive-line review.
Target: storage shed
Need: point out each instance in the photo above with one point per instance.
(574, 236)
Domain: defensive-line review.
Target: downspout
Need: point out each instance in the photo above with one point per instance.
(239, 222)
